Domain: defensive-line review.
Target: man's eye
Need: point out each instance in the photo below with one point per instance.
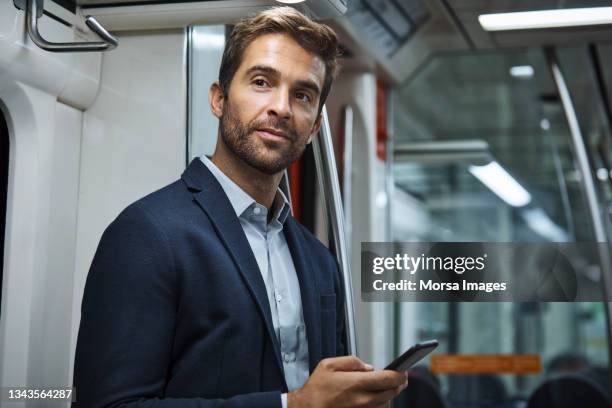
(260, 82)
(302, 97)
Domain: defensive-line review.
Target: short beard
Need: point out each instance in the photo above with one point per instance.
(236, 137)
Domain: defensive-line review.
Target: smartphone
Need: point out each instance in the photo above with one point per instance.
(412, 356)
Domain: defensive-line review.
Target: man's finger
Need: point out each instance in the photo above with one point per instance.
(378, 380)
(347, 363)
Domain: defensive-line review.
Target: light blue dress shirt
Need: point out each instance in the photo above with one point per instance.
(271, 251)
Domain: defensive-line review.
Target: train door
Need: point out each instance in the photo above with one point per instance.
(43, 95)
(484, 152)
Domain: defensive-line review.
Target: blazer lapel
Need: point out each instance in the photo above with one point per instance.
(311, 302)
(209, 195)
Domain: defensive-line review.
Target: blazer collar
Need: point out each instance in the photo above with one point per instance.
(209, 195)
(240, 199)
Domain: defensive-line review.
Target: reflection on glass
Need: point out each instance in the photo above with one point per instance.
(497, 179)
(524, 188)
(206, 45)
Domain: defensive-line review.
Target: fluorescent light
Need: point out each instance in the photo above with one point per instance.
(501, 183)
(522, 71)
(602, 174)
(527, 20)
(290, 1)
(540, 222)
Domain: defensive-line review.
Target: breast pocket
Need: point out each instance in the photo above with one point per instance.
(328, 325)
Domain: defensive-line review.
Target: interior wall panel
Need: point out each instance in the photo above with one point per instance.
(133, 138)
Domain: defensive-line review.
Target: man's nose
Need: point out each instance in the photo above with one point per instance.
(280, 105)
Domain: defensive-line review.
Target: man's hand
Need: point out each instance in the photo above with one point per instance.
(344, 382)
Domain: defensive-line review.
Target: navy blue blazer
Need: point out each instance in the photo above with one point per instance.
(175, 311)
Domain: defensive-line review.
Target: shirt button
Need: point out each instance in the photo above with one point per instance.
(279, 297)
(256, 210)
(288, 357)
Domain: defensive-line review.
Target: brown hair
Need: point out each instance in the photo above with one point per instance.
(314, 37)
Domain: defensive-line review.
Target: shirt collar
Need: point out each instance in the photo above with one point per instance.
(281, 207)
(240, 199)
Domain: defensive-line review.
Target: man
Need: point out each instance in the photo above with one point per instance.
(207, 293)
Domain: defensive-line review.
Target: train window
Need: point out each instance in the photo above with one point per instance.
(4, 169)
(591, 90)
(205, 48)
(460, 113)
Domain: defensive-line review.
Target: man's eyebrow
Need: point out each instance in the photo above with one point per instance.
(266, 69)
(263, 68)
(308, 85)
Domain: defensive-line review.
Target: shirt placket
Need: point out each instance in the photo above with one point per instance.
(286, 313)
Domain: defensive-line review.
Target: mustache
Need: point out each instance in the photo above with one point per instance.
(274, 123)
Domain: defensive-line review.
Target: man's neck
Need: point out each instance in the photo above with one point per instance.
(261, 186)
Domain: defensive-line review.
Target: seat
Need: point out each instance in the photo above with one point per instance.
(419, 394)
(568, 391)
(481, 390)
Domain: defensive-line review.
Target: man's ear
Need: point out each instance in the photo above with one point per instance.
(315, 128)
(216, 99)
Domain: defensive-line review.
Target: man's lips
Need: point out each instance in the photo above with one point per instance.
(272, 133)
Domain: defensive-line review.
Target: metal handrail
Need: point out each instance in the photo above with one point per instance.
(32, 15)
(347, 176)
(330, 187)
(588, 186)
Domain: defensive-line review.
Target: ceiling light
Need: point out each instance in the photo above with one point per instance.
(526, 20)
(522, 71)
(498, 180)
(290, 1)
(602, 174)
(540, 222)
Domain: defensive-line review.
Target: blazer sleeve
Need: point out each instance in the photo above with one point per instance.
(127, 323)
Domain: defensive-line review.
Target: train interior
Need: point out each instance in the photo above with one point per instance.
(436, 119)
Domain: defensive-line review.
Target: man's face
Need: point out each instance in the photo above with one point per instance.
(272, 104)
